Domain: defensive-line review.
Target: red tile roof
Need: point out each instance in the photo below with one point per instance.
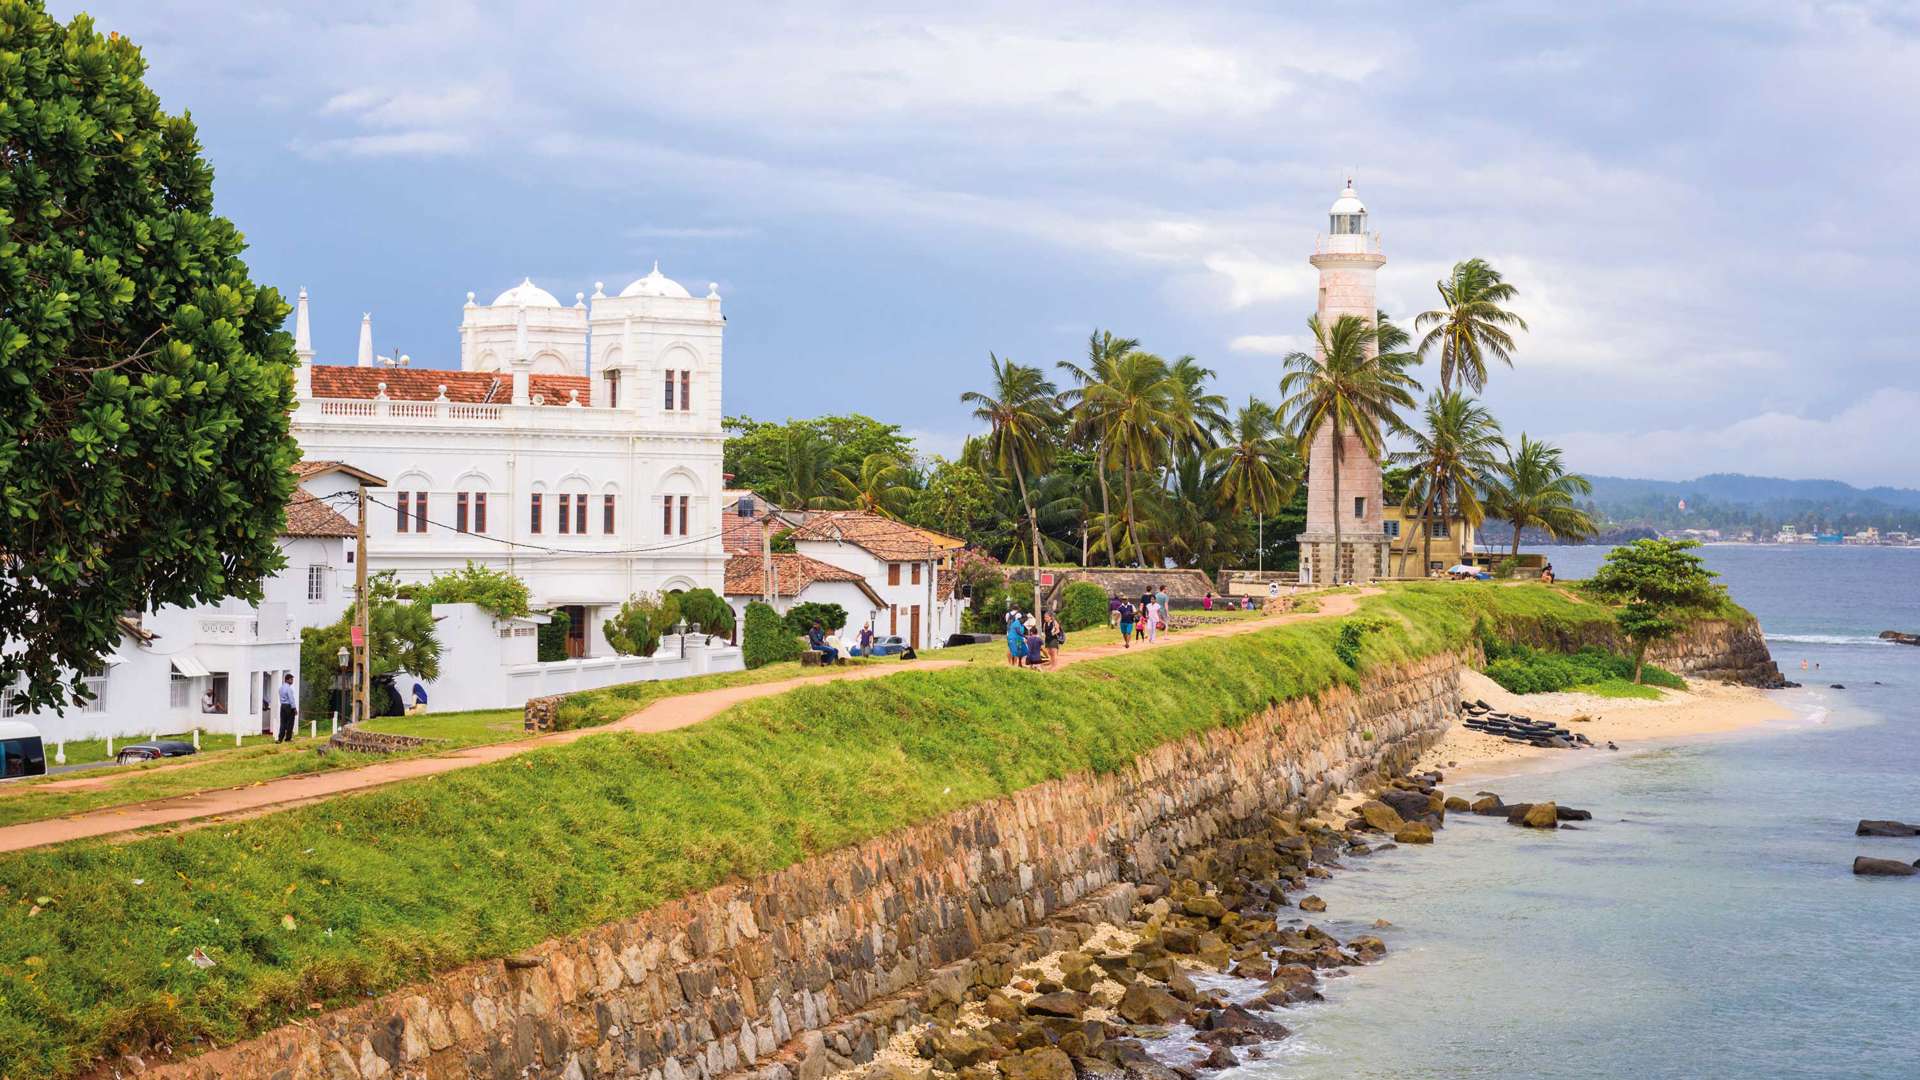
(310, 516)
(791, 576)
(423, 384)
(884, 537)
(738, 534)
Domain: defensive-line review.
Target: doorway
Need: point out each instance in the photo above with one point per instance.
(914, 632)
(576, 630)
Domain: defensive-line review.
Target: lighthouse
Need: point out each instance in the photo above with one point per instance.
(1348, 258)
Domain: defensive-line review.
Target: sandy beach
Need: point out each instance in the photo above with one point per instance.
(1704, 708)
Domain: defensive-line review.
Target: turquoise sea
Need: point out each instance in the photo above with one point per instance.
(1706, 922)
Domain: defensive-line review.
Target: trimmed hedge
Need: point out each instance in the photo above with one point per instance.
(1082, 604)
(765, 639)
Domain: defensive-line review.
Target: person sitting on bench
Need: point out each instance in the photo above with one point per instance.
(817, 641)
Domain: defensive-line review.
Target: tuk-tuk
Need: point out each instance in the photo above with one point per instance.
(20, 750)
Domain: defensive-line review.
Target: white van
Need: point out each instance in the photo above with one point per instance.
(21, 753)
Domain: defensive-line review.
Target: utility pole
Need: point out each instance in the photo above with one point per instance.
(766, 564)
(362, 682)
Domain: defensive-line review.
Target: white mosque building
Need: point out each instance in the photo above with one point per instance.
(577, 446)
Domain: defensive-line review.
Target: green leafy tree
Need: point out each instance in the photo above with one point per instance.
(1347, 389)
(1020, 415)
(145, 380)
(801, 617)
(496, 591)
(1091, 425)
(763, 638)
(793, 462)
(1657, 582)
(1470, 324)
(959, 500)
(1138, 408)
(552, 642)
(1456, 446)
(1533, 490)
(881, 485)
(1082, 604)
(635, 629)
(401, 637)
(709, 609)
(1259, 469)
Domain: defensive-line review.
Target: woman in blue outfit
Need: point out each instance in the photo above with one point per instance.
(1016, 641)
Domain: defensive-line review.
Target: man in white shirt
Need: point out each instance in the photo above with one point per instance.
(288, 709)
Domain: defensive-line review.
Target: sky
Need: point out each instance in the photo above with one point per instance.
(1706, 208)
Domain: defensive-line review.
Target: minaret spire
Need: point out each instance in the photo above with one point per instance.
(366, 341)
(302, 331)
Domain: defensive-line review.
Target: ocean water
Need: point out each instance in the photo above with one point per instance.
(1706, 922)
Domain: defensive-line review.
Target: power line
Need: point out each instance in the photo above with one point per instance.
(540, 548)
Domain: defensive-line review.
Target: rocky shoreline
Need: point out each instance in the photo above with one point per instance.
(1134, 991)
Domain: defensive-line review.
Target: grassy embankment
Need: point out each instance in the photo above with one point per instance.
(318, 906)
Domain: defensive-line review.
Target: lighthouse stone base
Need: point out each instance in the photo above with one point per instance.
(1363, 557)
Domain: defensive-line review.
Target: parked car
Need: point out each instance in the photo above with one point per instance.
(133, 753)
(21, 752)
(970, 639)
(889, 645)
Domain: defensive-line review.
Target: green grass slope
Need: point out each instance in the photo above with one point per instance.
(327, 903)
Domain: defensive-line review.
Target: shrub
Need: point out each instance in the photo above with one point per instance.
(989, 612)
(801, 617)
(1522, 669)
(496, 591)
(1353, 633)
(764, 638)
(635, 630)
(1082, 604)
(553, 636)
(706, 607)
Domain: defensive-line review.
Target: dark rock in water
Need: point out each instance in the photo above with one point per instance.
(1237, 1018)
(1489, 806)
(1041, 1063)
(1610, 745)
(1143, 1004)
(1568, 813)
(1869, 827)
(1899, 638)
(1312, 903)
(1456, 804)
(1534, 815)
(1221, 1058)
(1414, 832)
(1883, 867)
(1835, 686)
(1410, 805)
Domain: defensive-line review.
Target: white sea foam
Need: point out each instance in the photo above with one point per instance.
(1829, 639)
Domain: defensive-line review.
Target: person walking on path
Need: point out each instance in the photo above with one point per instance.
(1160, 597)
(1206, 602)
(1016, 641)
(1146, 617)
(1126, 624)
(288, 709)
(1053, 636)
(1154, 620)
(1113, 610)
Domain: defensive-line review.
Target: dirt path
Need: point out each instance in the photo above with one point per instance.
(228, 804)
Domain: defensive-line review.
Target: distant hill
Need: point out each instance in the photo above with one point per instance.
(1738, 501)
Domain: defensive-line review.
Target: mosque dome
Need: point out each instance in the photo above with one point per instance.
(526, 294)
(656, 284)
(1348, 202)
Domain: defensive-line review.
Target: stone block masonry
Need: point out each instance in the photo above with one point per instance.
(809, 969)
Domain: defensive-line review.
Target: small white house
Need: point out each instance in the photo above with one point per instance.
(217, 667)
(901, 565)
(798, 579)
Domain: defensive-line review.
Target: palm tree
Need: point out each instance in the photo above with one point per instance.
(1345, 388)
(881, 485)
(1203, 414)
(1470, 325)
(1259, 470)
(1103, 355)
(1532, 489)
(1452, 455)
(807, 469)
(1020, 413)
(1137, 407)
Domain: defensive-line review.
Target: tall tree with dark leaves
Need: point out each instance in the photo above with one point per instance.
(145, 380)
(1020, 412)
(1470, 325)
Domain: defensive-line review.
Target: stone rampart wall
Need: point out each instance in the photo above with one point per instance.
(808, 969)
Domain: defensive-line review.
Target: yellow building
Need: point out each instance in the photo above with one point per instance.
(1453, 541)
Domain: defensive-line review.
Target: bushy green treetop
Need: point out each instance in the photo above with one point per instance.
(1656, 582)
(636, 628)
(496, 591)
(145, 379)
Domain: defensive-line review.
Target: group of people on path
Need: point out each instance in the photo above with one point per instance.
(1034, 641)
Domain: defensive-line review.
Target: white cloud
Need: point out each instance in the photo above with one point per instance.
(692, 232)
(391, 144)
(1864, 442)
(1268, 344)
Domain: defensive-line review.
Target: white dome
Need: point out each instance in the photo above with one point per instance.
(1348, 202)
(526, 294)
(656, 284)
